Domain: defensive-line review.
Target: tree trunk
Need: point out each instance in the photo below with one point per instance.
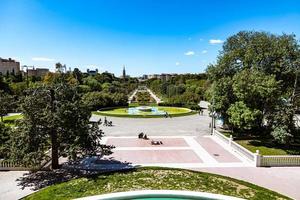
(54, 144)
(54, 151)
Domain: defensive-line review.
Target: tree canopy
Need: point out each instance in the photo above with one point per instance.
(55, 119)
(255, 73)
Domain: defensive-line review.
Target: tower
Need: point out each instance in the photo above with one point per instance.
(124, 72)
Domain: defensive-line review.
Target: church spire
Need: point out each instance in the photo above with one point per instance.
(124, 72)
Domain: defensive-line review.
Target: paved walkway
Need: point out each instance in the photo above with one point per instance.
(193, 125)
(9, 189)
(158, 100)
(284, 180)
(176, 151)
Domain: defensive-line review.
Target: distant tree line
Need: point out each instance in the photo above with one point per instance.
(184, 90)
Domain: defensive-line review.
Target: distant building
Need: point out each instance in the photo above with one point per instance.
(164, 77)
(37, 72)
(92, 72)
(9, 65)
(145, 77)
(151, 76)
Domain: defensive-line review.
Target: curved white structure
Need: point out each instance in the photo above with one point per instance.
(160, 194)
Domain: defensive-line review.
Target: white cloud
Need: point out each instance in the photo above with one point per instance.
(204, 51)
(215, 41)
(177, 63)
(42, 59)
(189, 53)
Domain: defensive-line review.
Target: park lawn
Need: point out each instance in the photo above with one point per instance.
(174, 110)
(154, 179)
(10, 120)
(267, 148)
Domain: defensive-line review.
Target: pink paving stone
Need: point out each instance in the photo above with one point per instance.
(156, 156)
(135, 142)
(217, 151)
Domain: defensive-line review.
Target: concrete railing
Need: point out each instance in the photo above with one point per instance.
(7, 165)
(236, 147)
(257, 159)
(12, 166)
(279, 161)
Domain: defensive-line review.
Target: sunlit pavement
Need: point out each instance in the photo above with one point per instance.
(186, 144)
(195, 125)
(284, 180)
(9, 189)
(175, 151)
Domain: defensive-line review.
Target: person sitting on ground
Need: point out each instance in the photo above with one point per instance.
(146, 137)
(156, 142)
(141, 135)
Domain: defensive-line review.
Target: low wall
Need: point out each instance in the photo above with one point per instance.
(12, 166)
(257, 159)
(236, 147)
(279, 161)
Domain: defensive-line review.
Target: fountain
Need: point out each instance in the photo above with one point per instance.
(145, 110)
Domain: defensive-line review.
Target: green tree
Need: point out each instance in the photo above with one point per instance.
(243, 117)
(257, 91)
(55, 119)
(78, 75)
(6, 104)
(60, 68)
(256, 69)
(4, 139)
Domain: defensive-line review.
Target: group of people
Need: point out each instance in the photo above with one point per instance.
(145, 137)
(106, 122)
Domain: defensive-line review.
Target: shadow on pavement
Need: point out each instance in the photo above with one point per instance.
(72, 170)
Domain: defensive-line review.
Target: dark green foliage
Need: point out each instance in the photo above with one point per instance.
(54, 117)
(4, 140)
(6, 104)
(182, 90)
(98, 100)
(254, 72)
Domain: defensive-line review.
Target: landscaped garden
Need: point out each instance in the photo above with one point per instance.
(156, 111)
(154, 179)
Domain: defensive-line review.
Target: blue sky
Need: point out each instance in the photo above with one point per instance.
(147, 36)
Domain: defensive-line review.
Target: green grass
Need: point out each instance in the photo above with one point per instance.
(267, 148)
(10, 120)
(122, 112)
(154, 179)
